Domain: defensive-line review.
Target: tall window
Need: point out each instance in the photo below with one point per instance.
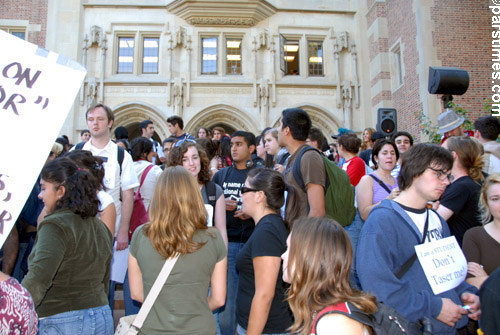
(125, 55)
(233, 56)
(396, 66)
(150, 55)
(291, 59)
(209, 55)
(315, 60)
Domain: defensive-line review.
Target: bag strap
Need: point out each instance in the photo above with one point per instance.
(381, 183)
(403, 269)
(297, 174)
(144, 174)
(155, 291)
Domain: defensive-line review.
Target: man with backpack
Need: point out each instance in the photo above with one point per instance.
(120, 178)
(293, 131)
(386, 259)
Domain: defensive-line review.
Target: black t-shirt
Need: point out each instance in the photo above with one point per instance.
(237, 230)
(462, 197)
(268, 239)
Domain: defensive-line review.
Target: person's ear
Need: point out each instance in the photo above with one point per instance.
(61, 191)
(110, 124)
(251, 148)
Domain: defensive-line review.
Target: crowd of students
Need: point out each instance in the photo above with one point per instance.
(256, 253)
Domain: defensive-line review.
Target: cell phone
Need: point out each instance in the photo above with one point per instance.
(233, 197)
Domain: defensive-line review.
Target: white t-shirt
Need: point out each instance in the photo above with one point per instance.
(104, 200)
(112, 180)
(434, 230)
(149, 184)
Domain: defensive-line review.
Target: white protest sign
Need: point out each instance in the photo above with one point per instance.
(443, 262)
(37, 89)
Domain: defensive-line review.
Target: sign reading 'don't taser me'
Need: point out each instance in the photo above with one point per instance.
(37, 89)
(443, 262)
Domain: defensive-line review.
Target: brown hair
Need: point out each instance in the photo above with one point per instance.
(350, 142)
(109, 112)
(177, 212)
(321, 253)
(470, 155)
(177, 153)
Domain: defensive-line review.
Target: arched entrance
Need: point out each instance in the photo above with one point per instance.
(228, 117)
(130, 114)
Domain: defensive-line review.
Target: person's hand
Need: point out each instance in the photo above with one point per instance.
(476, 270)
(279, 168)
(394, 193)
(472, 300)
(435, 205)
(231, 204)
(240, 215)
(450, 312)
(121, 240)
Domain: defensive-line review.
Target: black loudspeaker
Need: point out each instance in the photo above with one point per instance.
(448, 80)
(387, 121)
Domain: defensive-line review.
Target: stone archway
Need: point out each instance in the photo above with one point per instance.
(320, 118)
(130, 114)
(222, 114)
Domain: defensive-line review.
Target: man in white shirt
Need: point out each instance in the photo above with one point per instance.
(100, 120)
(147, 130)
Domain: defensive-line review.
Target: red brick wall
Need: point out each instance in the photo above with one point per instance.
(462, 37)
(35, 11)
(401, 24)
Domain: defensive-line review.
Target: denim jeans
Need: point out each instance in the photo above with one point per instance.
(92, 321)
(354, 230)
(226, 315)
(131, 306)
(243, 331)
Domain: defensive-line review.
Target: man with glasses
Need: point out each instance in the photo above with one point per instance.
(239, 225)
(392, 230)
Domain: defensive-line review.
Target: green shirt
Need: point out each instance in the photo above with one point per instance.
(182, 305)
(70, 263)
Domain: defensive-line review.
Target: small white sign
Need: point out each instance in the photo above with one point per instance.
(210, 212)
(443, 262)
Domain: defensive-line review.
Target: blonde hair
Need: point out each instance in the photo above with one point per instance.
(470, 153)
(321, 253)
(176, 213)
(484, 208)
(366, 145)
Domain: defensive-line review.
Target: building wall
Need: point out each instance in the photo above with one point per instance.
(27, 15)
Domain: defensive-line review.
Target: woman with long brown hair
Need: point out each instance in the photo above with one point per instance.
(459, 205)
(179, 226)
(317, 264)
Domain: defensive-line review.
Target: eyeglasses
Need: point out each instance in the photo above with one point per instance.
(442, 175)
(245, 189)
(179, 143)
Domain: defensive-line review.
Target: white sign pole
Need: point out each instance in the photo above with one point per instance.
(37, 90)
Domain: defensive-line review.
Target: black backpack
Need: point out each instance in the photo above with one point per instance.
(385, 321)
(120, 154)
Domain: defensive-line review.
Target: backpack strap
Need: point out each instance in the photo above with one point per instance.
(297, 174)
(210, 192)
(144, 174)
(223, 174)
(381, 183)
(120, 153)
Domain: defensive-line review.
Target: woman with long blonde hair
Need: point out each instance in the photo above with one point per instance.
(317, 264)
(482, 244)
(459, 203)
(179, 226)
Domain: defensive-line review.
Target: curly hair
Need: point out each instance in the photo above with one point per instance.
(366, 145)
(321, 255)
(175, 217)
(85, 160)
(350, 142)
(177, 154)
(80, 194)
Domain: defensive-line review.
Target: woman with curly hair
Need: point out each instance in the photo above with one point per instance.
(317, 264)
(69, 266)
(459, 204)
(193, 158)
(179, 226)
